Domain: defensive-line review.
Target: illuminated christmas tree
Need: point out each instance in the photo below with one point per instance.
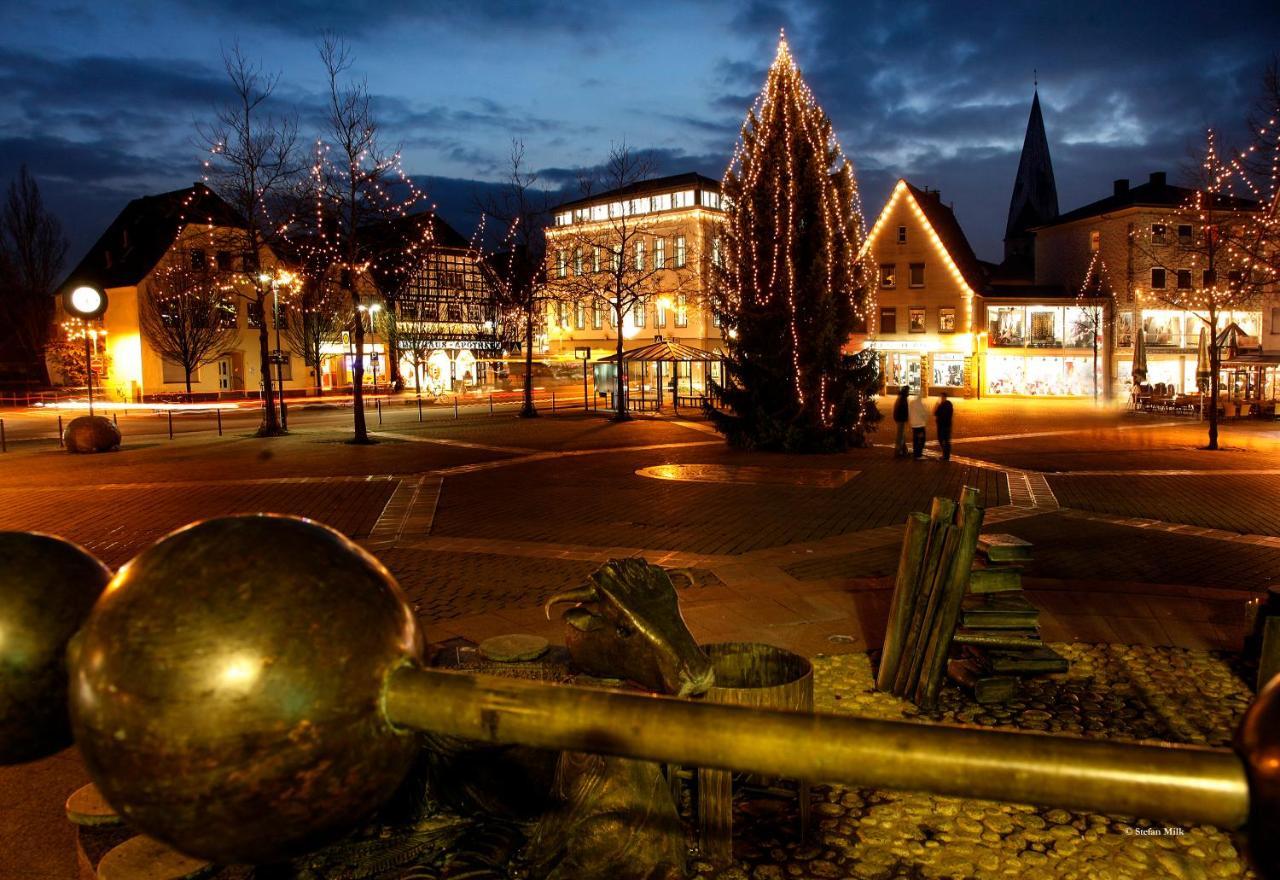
(790, 291)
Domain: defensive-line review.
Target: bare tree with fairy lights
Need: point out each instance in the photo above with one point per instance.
(187, 314)
(791, 289)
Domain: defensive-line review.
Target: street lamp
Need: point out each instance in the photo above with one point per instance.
(278, 355)
(86, 302)
(373, 309)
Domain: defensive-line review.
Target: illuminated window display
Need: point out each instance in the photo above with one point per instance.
(948, 370)
(902, 369)
(1040, 375)
(1005, 325)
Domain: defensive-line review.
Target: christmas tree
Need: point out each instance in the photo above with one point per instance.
(789, 289)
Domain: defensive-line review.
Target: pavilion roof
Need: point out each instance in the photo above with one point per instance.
(665, 350)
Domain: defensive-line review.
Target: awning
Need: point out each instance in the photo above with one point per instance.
(665, 350)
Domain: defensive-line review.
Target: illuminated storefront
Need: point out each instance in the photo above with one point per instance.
(1172, 339)
(1043, 349)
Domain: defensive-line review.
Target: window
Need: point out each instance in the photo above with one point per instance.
(1046, 327)
(1005, 325)
(577, 261)
(281, 314)
(682, 310)
(638, 311)
(639, 256)
(946, 320)
(615, 260)
(915, 274)
(224, 261)
(680, 255)
(888, 320)
(1207, 278)
(1184, 279)
(561, 319)
(1157, 279)
(710, 200)
(198, 260)
(253, 312)
(888, 275)
(1184, 233)
(948, 370)
(562, 265)
(660, 253)
(1275, 319)
(902, 235)
(1095, 240)
(915, 323)
(175, 375)
(682, 199)
(595, 259)
(661, 203)
(659, 314)
(580, 315)
(1159, 233)
(226, 314)
(597, 314)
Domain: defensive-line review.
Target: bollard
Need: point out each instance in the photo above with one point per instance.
(170, 412)
(115, 421)
(378, 406)
(455, 406)
(419, 407)
(219, 413)
(4, 446)
(61, 442)
(553, 401)
(490, 404)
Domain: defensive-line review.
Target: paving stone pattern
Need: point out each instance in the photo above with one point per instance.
(1245, 504)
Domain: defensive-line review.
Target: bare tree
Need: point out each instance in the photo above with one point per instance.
(613, 261)
(318, 314)
(187, 315)
(251, 166)
(1211, 266)
(357, 178)
(1095, 310)
(32, 250)
(520, 267)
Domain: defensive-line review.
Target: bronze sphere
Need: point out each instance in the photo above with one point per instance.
(1258, 745)
(89, 434)
(47, 587)
(227, 691)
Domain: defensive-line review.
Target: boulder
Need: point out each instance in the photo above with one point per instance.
(92, 434)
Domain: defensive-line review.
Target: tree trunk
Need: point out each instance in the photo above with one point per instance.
(394, 379)
(621, 415)
(188, 372)
(270, 426)
(1215, 364)
(357, 374)
(528, 411)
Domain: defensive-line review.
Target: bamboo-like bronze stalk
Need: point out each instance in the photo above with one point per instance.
(923, 625)
(1007, 643)
(1184, 784)
(904, 598)
(951, 595)
(940, 516)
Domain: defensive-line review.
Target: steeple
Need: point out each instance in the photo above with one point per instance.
(1035, 196)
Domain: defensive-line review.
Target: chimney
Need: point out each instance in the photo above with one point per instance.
(1121, 186)
(1157, 178)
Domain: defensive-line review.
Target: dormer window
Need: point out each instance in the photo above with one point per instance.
(902, 235)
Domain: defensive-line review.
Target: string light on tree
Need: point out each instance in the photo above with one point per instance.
(792, 242)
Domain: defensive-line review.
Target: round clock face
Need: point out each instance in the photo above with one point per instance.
(86, 300)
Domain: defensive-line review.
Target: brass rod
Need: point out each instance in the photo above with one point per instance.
(1178, 783)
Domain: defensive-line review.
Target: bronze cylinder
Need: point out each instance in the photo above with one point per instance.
(1187, 784)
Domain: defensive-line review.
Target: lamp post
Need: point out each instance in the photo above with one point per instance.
(87, 302)
(373, 309)
(278, 354)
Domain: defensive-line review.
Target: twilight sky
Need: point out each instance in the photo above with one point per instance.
(100, 99)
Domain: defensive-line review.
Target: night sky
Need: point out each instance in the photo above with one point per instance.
(100, 99)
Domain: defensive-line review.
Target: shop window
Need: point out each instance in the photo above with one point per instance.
(888, 320)
(1005, 325)
(1157, 279)
(948, 370)
(915, 274)
(888, 275)
(1082, 325)
(946, 320)
(915, 320)
(1124, 330)
(1162, 328)
(1045, 327)
(902, 235)
(1184, 279)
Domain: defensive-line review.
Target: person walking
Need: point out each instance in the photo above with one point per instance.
(900, 416)
(919, 418)
(942, 415)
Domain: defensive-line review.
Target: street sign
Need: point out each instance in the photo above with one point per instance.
(278, 357)
(582, 353)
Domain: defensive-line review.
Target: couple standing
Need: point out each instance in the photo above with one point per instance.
(911, 410)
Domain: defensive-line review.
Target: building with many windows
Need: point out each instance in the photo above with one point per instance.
(670, 226)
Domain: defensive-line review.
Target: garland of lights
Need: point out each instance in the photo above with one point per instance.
(786, 98)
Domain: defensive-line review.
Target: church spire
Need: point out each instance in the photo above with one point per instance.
(1035, 195)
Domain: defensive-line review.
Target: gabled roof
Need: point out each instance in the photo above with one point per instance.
(422, 230)
(144, 231)
(1155, 193)
(941, 221)
(672, 183)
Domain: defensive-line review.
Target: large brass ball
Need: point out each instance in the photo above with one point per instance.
(227, 691)
(1258, 744)
(89, 434)
(47, 587)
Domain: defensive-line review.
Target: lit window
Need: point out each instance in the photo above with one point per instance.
(561, 319)
(562, 265)
(1184, 279)
(577, 261)
(915, 320)
(597, 314)
(638, 311)
(888, 275)
(580, 315)
(600, 212)
(946, 320)
(659, 253)
(1095, 240)
(682, 199)
(711, 200)
(595, 259)
(915, 274)
(639, 256)
(1159, 232)
(659, 314)
(661, 203)
(1157, 279)
(680, 249)
(682, 310)
(902, 235)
